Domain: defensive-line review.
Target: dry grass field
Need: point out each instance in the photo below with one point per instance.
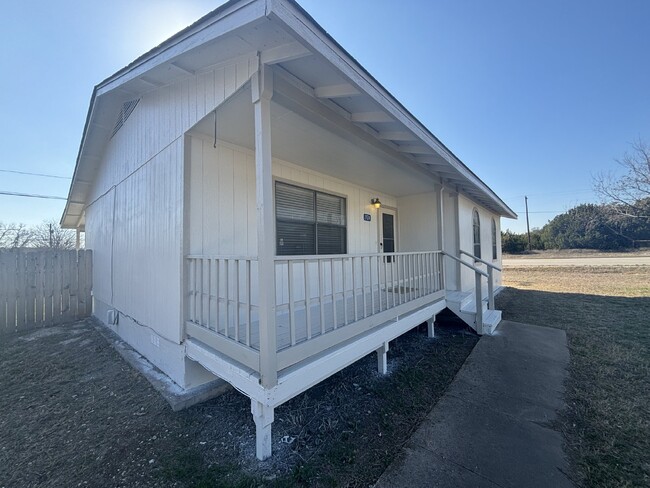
(606, 314)
(616, 281)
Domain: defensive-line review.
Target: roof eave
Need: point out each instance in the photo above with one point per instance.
(237, 13)
(328, 47)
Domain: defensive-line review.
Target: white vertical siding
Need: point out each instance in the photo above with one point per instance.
(222, 201)
(147, 245)
(222, 205)
(99, 238)
(162, 116)
(465, 212)
(134, 220)
(418, 226)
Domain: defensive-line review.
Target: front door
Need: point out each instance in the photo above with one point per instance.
(388, 231)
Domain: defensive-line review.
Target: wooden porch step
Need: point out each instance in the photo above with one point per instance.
(463, 304)
(460, 298)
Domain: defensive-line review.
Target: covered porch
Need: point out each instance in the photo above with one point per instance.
(292, 269)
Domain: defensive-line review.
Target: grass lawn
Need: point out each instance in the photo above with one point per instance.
(606, 314)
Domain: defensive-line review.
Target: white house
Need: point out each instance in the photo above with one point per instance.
(263, 211)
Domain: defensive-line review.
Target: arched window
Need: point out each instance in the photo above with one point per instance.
(494, 239)
(476, 227)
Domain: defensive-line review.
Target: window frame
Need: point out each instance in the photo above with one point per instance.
(476, 232)
(315, 192)
(495, 254)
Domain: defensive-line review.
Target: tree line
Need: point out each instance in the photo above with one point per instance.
(47, 234)
(587, 226)
(622, 221)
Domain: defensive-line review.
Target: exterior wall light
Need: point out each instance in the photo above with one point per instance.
(376, 202)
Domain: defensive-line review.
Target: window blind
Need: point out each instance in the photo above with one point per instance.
(309, 221)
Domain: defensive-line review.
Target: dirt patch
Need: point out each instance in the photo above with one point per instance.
(75, 414)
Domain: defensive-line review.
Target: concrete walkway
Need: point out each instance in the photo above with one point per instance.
(493, 427)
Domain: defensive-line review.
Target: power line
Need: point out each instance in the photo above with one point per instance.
(31, 195)
(542, 211)
(34, 174)
(552, 193)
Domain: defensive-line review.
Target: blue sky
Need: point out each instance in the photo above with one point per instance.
(535, 97)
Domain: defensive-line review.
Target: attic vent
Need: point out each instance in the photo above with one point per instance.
(127, 109)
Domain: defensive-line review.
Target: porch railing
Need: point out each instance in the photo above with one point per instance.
(490, 275)
(222, 305)
(325, 300)
(321, 300)
(478, 292)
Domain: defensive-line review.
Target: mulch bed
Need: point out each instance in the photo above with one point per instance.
(73, 413)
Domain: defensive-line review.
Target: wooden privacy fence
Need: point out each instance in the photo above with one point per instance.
(43, 287)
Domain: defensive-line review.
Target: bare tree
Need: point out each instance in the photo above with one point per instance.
(627, 194)
(14, 235)
(49, 234)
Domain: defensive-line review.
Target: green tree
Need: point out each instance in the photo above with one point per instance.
(586, 226)
(512, 243)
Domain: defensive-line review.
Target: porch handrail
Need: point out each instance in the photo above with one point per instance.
(311, 257)
(475, 258)
(490, 281)
(465, 263)
(221, 256)
(478, 295)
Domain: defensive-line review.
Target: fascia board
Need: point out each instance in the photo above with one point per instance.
(89, 116)
(226, 18)
(229, 17)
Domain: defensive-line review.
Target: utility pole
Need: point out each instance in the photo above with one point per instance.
(527, 223)
(51, 232)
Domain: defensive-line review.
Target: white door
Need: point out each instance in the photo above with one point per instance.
(387, 231)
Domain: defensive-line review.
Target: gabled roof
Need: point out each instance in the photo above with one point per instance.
(285, 35)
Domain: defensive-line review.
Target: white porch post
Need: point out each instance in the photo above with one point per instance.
(440, 217)
(441, 242)
(431, 330)
(382, 358)
(262, 89)
(263, 416)
(78, 240)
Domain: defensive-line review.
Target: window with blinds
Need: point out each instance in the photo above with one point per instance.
(309, 221)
